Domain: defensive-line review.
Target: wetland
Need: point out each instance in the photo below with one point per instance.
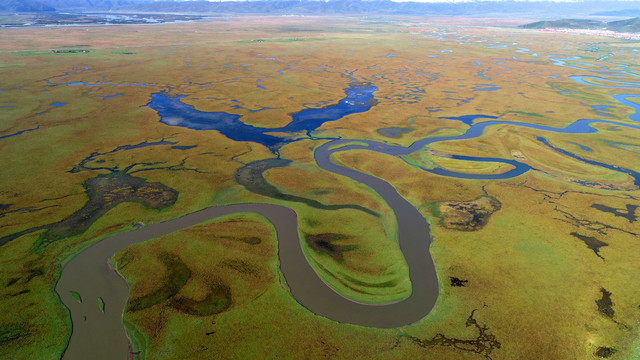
(400, 204)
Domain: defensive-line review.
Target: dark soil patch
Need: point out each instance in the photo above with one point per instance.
(241, 266)
(629, 213)
(33, 273)
(329, 350)
(251, 240)
(177, 276)
(125, 259)
(605, 305)
(26, 291)
(468, 215)
(12, 333)
(12, 281)
(104, 192)
(393, 132)
(605, 352)
(323, 243)
(590, 225)
(592, 243)
(456, 282)
(217, 300)
(484, 344)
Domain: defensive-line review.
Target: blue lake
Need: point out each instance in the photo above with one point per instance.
(359, 98)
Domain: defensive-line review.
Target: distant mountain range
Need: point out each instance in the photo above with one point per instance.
(386, 7)
(92, 5)
(541, 9)
(625, 13)
(629, 25)
(13, 6)
(566, 24)
(24, 6)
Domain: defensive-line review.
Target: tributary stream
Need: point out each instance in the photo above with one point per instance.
(98, 335)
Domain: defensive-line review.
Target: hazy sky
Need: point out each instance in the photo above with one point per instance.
(452, 1)
(590, 1)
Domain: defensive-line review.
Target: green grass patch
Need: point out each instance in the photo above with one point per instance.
(11, 333)
(123, 52)
(34, 53)
(70, 51)
(525, 113)
(420, 159)
(279, 40)
(177, 276)
(217, 300)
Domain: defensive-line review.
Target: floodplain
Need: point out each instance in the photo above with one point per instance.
(518, 147)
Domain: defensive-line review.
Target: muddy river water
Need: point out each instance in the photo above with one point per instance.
(100, 334)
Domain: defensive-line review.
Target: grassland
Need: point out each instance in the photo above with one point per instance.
(531, 282)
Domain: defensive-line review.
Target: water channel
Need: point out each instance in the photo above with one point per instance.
(96, 333)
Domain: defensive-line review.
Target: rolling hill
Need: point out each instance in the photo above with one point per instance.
(629, 25)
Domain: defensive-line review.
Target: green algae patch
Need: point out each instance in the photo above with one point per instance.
(101, 304)
(76, 296)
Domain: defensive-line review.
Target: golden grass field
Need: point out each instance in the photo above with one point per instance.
(527, 281)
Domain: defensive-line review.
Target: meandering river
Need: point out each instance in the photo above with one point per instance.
(101, 335)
